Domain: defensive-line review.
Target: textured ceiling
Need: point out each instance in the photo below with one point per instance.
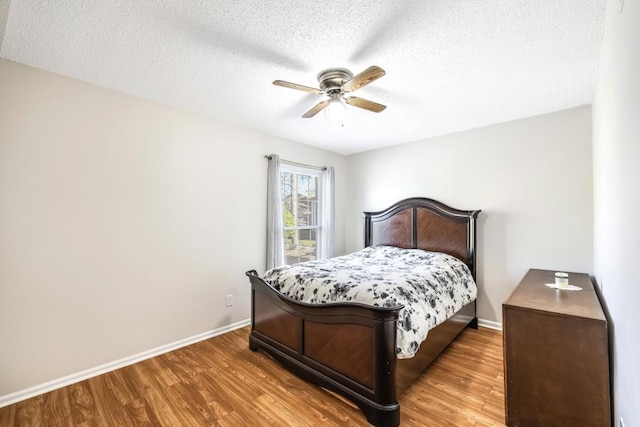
(451, 65)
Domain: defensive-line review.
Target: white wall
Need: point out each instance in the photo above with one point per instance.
(532, 178)
(123, 223)
(616, 134)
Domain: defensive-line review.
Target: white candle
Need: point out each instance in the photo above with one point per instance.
(562, 279)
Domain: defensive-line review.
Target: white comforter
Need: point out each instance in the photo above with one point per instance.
(432, 286)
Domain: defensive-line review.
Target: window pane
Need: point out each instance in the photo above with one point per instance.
(299, 198)
(300, 246)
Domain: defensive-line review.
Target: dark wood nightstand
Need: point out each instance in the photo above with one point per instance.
(556, 354)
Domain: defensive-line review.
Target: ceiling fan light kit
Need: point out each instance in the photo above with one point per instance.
(336, 109)
(334, 83)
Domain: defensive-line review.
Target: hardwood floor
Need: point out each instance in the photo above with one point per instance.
(220, 382)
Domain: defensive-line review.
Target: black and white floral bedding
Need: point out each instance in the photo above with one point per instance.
(432, 286)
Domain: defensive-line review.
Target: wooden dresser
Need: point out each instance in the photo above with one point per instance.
(556, 355)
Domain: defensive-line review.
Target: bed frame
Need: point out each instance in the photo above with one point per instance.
(349, 348)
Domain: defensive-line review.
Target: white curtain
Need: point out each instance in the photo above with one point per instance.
(275, 226)
(327, 214)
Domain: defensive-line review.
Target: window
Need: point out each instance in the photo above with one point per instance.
(300, 195)
(300, 212)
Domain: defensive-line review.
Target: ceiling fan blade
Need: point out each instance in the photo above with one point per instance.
(364, 78)
(365, 103)
(316, 109)
(297, 86)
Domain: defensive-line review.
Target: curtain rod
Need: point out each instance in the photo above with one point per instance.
(298, 164)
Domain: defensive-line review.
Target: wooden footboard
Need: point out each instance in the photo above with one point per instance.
(346, 348)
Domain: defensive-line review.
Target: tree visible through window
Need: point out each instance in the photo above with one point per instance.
(301, 210)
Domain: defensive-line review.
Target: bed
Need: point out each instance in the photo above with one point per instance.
(351, 348)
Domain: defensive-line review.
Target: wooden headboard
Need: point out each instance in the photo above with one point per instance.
(421, 223)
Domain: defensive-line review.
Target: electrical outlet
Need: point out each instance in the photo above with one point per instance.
(229, 300)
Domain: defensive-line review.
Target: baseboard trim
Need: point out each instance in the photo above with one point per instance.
(9, 399)
(490, 324)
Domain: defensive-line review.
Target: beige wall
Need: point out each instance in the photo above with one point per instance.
(616, 138)
(123, 223)
(532, 178)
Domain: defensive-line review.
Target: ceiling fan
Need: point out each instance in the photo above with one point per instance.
(335, 82)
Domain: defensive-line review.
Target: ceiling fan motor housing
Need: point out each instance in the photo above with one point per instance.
(332, 79)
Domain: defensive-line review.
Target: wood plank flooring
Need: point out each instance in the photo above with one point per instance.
(220, 382)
